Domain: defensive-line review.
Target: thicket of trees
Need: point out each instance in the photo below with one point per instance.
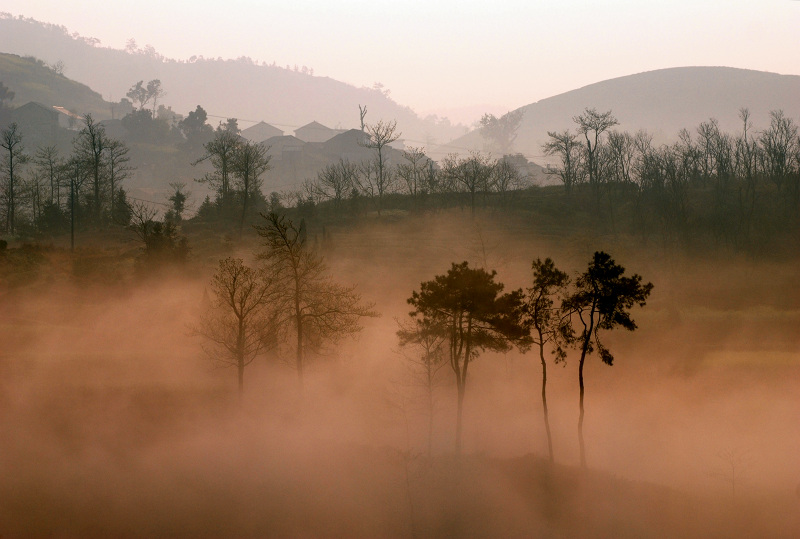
(237, 178)
(44, 191)
(740, 190)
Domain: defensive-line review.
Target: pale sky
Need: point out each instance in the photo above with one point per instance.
(439, 55)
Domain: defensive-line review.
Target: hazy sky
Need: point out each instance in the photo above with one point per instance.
(439, 55)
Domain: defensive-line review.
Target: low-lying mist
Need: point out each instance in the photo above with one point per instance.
(115, 423)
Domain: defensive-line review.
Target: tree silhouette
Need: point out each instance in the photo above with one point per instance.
(238, 323)
(380, 136)
(602, 299)
(220, 152)
(592, 125)
(91, 147)
(502, 131)
(464, 306)
(547, 325)
(422, 336)
(195, 128)
(250, 162)
(565, 146)
(13, 157)
(307, 301)
(472, 174)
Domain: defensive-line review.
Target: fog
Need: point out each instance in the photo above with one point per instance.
(116, 424)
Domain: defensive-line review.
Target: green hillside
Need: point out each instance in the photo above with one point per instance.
(33, 80)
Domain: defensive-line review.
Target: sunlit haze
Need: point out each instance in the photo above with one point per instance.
(452, 58)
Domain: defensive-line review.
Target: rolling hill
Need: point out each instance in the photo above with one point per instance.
(662, 102)
(32, 80)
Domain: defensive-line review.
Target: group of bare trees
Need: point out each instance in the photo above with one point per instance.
(462, 313)
(288, 301)
(45, 191)
(466, 180)
(729, 184)
(415, 176)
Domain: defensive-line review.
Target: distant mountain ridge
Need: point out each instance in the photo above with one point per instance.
(662, 102)
(238, 88)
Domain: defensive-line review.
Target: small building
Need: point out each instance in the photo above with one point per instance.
(350, 145)
(283, 144)
(43, 118)
(261, 131)
(315, 132)
(44, 125)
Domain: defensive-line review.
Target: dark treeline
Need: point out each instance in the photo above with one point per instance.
(47, 192)
(738, 191)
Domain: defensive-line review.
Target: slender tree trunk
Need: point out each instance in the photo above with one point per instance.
(245, 195)
(544, 400)
(430, 416)
(461, 391)
(580, 417)
(240, 356)
(72, 214)
(299, 356)
(244, 212)
(587, 336)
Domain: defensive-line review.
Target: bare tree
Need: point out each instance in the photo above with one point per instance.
(471, 174)
(308, 304)
(566, 147)
(335, 182)
(362, 112)
(13, 158)
(506, 177)
(380, 136)
(592, 125)
(250, 162)
(50, 165)
(78, 174)
(118, 168)
(238, 324)
(413, 172)
(91, 147)
(780, 152)
(732, 466)
(746, 166)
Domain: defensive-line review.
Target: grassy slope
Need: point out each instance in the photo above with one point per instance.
(32, 81)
